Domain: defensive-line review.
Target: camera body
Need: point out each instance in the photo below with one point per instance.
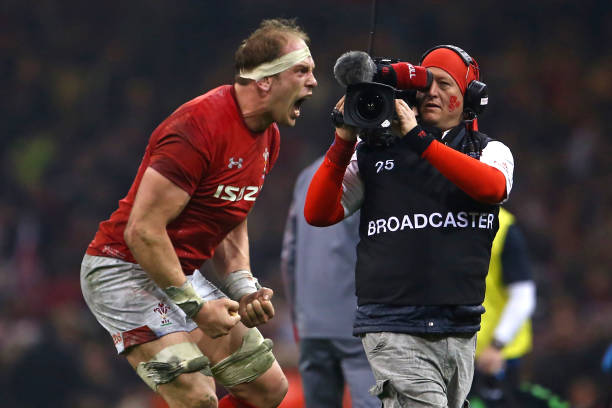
(370, 106)
(372, 86)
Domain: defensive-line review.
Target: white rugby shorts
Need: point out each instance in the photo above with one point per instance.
(130, 306)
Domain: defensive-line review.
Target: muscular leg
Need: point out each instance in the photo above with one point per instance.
(188, 390)
(266, 391)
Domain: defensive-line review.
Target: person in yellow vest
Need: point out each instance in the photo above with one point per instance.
(505, 333)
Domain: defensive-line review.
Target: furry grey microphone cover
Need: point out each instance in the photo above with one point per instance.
(353, 67)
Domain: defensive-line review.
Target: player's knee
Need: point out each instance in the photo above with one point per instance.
(181, 374)
(273, 389)
(202, 400)
(254, 364)
(168, 365)
(187, 391)
(251, 360)
(277, 392)
(195, 399)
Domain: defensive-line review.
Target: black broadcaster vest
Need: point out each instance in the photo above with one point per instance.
(423, 241)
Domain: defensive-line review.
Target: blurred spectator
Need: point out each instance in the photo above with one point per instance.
(505, 331)
(318, 265)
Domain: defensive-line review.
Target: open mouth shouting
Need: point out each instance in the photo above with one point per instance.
(297, 106)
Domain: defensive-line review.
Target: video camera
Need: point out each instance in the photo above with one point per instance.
(372, 85)
(371, 105)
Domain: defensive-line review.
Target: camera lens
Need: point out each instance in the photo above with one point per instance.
(370, 105)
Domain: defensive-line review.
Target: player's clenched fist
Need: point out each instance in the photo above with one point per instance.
(217, 317)
(256, 308)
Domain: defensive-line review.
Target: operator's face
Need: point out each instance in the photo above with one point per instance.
(442, 105)
(292, 87)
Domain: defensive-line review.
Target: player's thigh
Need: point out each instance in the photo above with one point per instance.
(185, 389)
(128, 304)
(256, 376)
(357, 372)
(321, 373)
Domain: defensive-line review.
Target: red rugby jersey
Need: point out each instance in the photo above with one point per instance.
(205, 148)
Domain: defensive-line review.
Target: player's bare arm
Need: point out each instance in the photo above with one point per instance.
(157, 203)
(232, 265)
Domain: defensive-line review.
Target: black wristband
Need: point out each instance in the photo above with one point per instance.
(418, 139)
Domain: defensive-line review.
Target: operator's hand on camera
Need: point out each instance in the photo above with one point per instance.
(406, 117)
(256, 308)
(411, 133)
(346, 132)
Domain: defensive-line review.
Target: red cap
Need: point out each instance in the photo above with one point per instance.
(451, 62)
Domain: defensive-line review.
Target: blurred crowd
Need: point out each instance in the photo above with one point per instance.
(85, 83)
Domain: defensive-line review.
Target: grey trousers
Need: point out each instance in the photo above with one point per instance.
(429, 370)
(327, 364)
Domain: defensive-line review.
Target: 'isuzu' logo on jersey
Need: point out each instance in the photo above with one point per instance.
(233, 193)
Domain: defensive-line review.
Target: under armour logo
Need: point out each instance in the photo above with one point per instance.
(233, 163)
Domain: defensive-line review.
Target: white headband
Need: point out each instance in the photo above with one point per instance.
(275, 66)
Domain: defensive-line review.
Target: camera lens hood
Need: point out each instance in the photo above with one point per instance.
(369, 105)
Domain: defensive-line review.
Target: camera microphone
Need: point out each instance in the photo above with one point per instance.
(357, 66)
(354, 67)
(403, 75)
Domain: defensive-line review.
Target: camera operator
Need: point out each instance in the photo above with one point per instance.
(429, 212)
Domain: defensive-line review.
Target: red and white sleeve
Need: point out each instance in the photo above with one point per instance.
(324, 200)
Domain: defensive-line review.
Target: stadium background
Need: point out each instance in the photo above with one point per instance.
(85, 83)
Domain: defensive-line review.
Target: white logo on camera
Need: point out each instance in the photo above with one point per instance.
(411, 70)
